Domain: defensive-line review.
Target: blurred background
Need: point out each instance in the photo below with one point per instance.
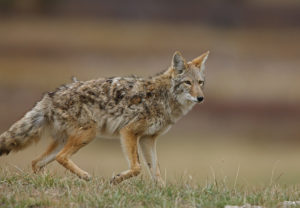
(248, 128)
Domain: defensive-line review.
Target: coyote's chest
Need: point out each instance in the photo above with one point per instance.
(162, 125)
(157, 129)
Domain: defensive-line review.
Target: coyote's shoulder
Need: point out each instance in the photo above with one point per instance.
(134, 108)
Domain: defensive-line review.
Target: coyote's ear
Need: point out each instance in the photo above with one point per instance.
(199, 62)
(178, 63)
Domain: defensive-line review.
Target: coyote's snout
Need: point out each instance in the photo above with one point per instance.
(137, 110)
(200, 99)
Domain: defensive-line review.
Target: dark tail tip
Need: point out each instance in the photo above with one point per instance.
(4, 151)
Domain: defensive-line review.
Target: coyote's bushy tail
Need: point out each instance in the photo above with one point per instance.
(24, 132)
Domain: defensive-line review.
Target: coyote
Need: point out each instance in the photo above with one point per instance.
(135, 109)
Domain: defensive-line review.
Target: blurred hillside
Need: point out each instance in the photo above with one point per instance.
(250, 80)
(252, 94)
(226, 13)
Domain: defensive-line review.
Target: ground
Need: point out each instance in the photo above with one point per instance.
(23, 189)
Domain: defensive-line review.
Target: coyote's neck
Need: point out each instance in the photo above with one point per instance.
(177, 106)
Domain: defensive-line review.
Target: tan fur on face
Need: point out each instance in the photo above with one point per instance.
(196, 90)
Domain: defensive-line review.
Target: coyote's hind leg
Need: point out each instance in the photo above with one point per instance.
(74, 143)
(48, 156)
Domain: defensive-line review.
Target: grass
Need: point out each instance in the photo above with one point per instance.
(23, 189)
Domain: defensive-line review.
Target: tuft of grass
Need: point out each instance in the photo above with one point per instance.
(22, 189)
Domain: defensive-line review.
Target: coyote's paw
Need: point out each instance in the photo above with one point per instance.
(35, 167)
(160, 182)
(116, 179)
(86, 176)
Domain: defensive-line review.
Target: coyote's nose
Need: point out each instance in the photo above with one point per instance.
(200, 99)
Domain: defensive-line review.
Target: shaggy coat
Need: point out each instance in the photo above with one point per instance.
(135, 109)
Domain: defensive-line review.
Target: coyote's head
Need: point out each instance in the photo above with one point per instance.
(188, 78)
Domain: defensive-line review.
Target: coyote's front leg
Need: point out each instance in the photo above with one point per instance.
(129, 142)
(148, 147)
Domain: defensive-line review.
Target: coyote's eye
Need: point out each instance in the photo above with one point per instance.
(201, 82)
(188, 82)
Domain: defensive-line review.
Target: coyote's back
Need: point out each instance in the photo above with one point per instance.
(136, 109)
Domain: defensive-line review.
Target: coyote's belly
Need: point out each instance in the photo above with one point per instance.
(151, 131)
(109, 127)
(101, 135)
